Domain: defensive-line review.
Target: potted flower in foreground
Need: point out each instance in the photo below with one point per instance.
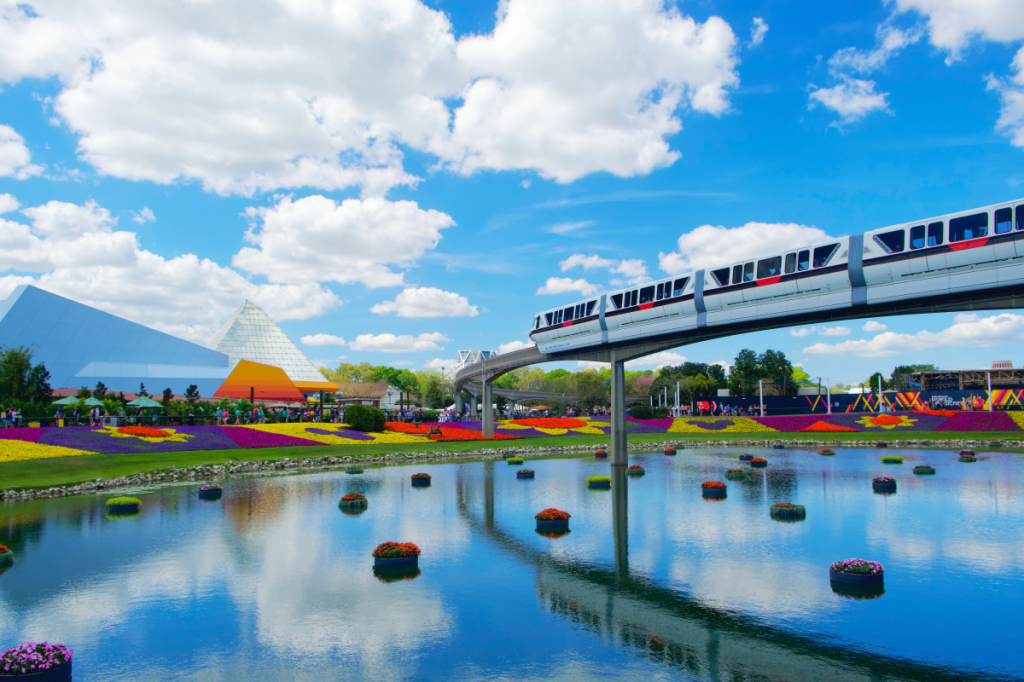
(552, 520)
(6, 557)
(635, 470)
(759, 463)
(37, 661)
(396, 555)
(599, 482)
(715, 490)
(857, 572)
(353, 501)
(421, 480)
(525, 473)
(210, 491)
(883, 484)
(788, 512)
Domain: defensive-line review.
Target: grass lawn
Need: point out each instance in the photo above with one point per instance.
(44, 473)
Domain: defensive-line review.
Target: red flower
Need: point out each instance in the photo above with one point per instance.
(784, 505)
(394, 550)
(144, 431)
(351, 497)
(825, 427)
(712, 484)
(734, 471)
(3, 549)
(758, 460)
(552, 515)
(449, 433)
(551, 422)
(403, 427)
(421, 476)
(636, 467)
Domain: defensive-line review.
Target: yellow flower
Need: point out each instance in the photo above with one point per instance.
(337, 435)
(885, 421)
(737, 425)
(22, 451)
(175, 437)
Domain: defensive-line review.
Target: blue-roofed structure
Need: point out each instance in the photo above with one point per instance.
(81, 346)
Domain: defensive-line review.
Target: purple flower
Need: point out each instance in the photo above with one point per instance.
(98, 440)
(979, 421)
(254, 438)
(27, 434)
(34, 657)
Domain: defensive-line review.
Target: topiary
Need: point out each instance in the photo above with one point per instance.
(641, 411)
(365, 418)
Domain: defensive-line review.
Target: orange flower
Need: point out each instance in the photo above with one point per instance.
(449, 433)
(144, 432)
(712, 484)
(403, 427)
(886, 420)
(551, 423)
(552, 514)
(822, 426)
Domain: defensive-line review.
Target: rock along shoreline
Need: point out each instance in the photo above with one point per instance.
(326, 463)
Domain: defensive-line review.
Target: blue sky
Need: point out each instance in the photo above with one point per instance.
(393, 181)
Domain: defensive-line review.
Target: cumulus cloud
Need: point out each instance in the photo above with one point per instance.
(427, 302)
(514, 346)
(656, 361)
(967, 331)
(633, 267)
(322, 340)
(561, 285)
(873, 326)
(78, 254)
(1011, 94)
(708, 245)
(440, 364)
(256, 96)
(315, 239)
(390, 343)
(821, 331)
(953, 23)
(15, 159)
(852, 98)
(144, 216)
(8, 203)
(758, 31)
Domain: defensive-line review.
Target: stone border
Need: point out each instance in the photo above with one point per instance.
(310, 464)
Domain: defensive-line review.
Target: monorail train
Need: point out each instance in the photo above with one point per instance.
(970, 250)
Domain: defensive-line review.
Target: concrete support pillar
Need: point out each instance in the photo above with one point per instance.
(488, 408)
(620, 521)
(618, 389)
(472, 407)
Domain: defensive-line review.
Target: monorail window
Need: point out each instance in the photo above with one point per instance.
(590, 308)
(917, 240)
(536, 322)
(803, 261)
(769, 267)
(579, 311)
(790, 263)
(567, 317)
(646, 295)
(661, 292)
(1004, 220)
(737, 274)
(968, 227)
(1020, 217)
(679, 286)
(632, 298)
(617, 301)
(935, 234)
(721, 276)
(892, 242)
(823, 254)
(549, 319)
(748, 272)
(558, 317)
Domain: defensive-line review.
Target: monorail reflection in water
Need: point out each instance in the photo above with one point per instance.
(274, 582)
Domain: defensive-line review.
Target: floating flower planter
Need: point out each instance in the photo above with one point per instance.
(515, 460)
(892, 459)
(881, 445)
(758, 463)
(714, 490)
(396, 576)
(354, 501)
(670, 451)
(856, 572)
(353, 471)
(601, 454)
(828, 452)
(735, 474)
(396, 556)
(924, 470)
(635, 470)
(123, 506)
(995, 444)
(599, 482)
(967, 458)
(525, 473)
(784, 511)
(552, 521)
(778, 445)
(38, 662)
(746, 458)
(883, 484)
(210, 491)
(420, 480)
(6, 559)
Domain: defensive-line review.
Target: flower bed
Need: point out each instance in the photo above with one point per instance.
(718, 425)
(790, 424)
(33, 658)
(449, 434)
(552, 520)
(939, 413)
(549, 422)
(407, 427)
(525, 473)
(714, 490)
(712, 484)
(979, 421)
(25, 434)
(143, 432)
(787, 511)
(883, 484)
(248, 438)
(826, 427)
(353, 501)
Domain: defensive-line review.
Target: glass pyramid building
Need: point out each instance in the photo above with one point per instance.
(251, 335)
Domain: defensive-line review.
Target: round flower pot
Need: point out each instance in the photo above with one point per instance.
(58, 674)
(529, 475)
(635, 472)
(210, 494)
(736, 475)
(601, 455)
(670, 451)
(6, 559)
(746, 458)
(778, 446)
(881, 445)
(794, 513)
(420, 482)
(828, 453)
(122, 509)
(354, 504)
(600, 485)
(758, 465)
(883, 487)
(967, 458)
(398, 563)
(856, 578)
(515, 461)
(924, 470)
(552, 525)
(353, 471)
(713, 493)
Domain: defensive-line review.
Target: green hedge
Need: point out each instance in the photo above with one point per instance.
(641, 411)
(661, 413)
(429, 415)
(365, 418)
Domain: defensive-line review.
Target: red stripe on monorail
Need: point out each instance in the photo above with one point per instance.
(567, 324)
(768, 280)
(646, 306)
(969, 244)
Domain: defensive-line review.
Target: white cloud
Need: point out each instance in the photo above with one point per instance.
(144, 216)
(953, 23)
(322, 340)
(709, 246)
(390, 343)
(758, 31)
(439, 364)
(658, 360)
(852, 99)
(427, 302)
(630, 267)
(316, 239)
(248, 97)
(561, 285)
(568, 228)
(821, 331)
(327, 364)
(81, 256)
(1011, 93)
(15, 159)
(967, 331)
(873, 326)
(514, 346)
(8, 203)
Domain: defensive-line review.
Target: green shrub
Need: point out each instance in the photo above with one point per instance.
(429, 415)
(892, 459)
(599, 479)
(661, 413)
(641, 411)
(514, 460)
(119, 501)
(365, 418)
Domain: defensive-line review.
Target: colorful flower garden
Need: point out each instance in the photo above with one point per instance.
(44, 443)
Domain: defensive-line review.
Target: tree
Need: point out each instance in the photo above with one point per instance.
(799, 376)
(346, 373)
(557, 374)
(900, 380)
(872, 382)
(192, 394)
(776, 368)
(402, 379)
(745, 372)
(100, 392)
(433, 392)
(693, 386)
(15, 365)
(39, 384)
(84, 393)
(168, 397)
(590, 387)
(142, 390)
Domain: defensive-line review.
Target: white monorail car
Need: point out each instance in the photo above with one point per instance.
(978, 249)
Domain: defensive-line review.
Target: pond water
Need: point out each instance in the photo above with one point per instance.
(274, 582)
